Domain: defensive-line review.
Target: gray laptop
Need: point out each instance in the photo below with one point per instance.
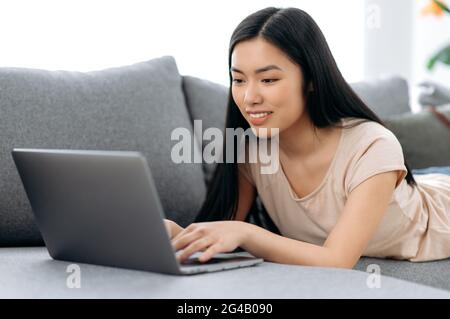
(103, 208)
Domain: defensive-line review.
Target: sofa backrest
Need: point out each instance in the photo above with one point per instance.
(387, 96)
(424, 137)
(130, 108)
(136, 108)
(206, 101)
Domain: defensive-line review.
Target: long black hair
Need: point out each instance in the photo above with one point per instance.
(294, 32)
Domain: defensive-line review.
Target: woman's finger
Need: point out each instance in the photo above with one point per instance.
(209, 253)
(198, 245)
(185, 239)
(191, 228)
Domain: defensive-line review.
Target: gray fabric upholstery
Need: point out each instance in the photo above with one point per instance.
(30, 273)
(435, 274)
(386, 96)
(206, 101)
(136, 108)
(132, 108)
(425, 139)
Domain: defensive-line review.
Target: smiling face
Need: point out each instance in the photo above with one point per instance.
(267, 86)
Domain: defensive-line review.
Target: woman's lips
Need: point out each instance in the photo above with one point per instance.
(260, 120)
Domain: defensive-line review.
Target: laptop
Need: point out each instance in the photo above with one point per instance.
(102, 207)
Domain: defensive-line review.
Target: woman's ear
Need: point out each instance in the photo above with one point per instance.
(310, 87)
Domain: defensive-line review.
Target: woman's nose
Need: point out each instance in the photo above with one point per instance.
(252, 95)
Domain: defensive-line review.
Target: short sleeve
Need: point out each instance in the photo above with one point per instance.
(380, 155)
(244, 168)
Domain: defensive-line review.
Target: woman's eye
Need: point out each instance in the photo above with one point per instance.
(238, 81)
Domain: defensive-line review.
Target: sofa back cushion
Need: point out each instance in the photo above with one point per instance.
(206, 101)
(424, 138)
(385, 96)
(130, 108)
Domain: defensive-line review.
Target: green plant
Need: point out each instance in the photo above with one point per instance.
(438, 8)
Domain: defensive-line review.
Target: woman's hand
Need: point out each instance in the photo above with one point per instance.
(172, 228)
(210, 237)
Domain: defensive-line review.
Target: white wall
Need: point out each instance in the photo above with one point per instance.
(389, 38)
(431, 34)
(94, 34)
(403, 41)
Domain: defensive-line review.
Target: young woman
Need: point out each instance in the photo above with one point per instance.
(343, 189)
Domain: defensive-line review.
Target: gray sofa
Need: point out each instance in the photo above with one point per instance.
(136, 108)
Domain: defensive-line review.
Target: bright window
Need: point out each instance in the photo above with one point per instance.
(90, 35)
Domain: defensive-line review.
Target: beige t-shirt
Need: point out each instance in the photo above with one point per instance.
(416, 225)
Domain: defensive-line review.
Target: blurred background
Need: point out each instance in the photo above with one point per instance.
(369, 38)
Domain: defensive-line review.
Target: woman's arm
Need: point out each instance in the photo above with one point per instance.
(247, 195)
(358, 223)
(345, 244)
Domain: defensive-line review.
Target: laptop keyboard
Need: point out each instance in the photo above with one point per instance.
(196, 262)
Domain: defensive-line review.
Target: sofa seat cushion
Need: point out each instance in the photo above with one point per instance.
(31, 273)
